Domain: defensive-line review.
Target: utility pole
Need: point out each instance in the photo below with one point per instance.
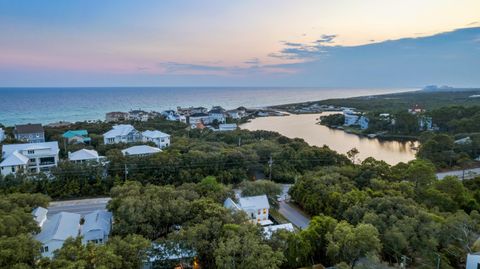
(270, 163)
(126, 172)
(403, 263)
(438, 260)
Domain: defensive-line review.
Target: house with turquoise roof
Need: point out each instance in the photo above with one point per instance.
(77, 136)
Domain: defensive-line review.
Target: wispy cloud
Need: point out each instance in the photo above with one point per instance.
(304, 51)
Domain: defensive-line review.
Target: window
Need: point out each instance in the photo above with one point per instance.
(30, 151)
(44, 249)
(264, 211)
(259, 212)
(33, 160)
(13, 169)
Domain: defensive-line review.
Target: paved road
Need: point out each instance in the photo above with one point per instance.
(82, 207)
(469, 173)
(294, 215)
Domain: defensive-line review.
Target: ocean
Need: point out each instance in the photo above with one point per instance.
(47, 105)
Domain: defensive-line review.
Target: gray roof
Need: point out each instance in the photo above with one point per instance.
(120, 130)
(97, 220)
(60, 227)
(257, 202)
(28, 128)
(39, 213)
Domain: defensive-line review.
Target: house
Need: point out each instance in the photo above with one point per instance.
(473, 261)
(30, 133)
(31, 157)
(84, 156)
(56, 230)
(138, 115)
(238, 113)
(416, 109)
(217, 113)
(76, 136)
(163, 255)
(225, 127)
(40, 215)
(256, 208)
(425, 123)
(116, 116)
(191, 110)
(2, 135)
(204, 118)
(123, 133)
(172, 115)
(96, 227)
(363, 122)
(142, 150)
(463, 141)
(162, 140)
(351, 117)
(269, 230)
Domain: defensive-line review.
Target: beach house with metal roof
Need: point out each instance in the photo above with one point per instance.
(122, 133)
(84, 156)
(96, 227)
(161, 140)
(30, 157)
(256, 207)
(142, 150)
(56, 230)
(76, 136)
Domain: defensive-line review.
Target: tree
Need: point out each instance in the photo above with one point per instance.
(352, 155)
(348, 243)
(150, 211)
(242, 247)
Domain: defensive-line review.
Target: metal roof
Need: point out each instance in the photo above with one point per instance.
(119, 130)
(9, 149)
(14, 159)
(73, 133)
(98, 220)
(83, 154)
(154, 134)
(257, 202)
(60, 227)
(140, 150)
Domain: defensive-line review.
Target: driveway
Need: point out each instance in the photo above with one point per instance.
(82, 207)
(294, 214)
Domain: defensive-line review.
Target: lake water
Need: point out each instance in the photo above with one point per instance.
(304, 126)
(46, 105)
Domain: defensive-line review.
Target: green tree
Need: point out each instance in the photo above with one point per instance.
(242, 247)
(348, 243)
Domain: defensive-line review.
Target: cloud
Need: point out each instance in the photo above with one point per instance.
(304, 51)
(253, 61)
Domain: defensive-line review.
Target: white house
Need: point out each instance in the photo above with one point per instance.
(256, 207)
(363, 122)
(351, 117)
(96, 227)
(473, 260)
(196, 118)
(225, 127)
(31, 157)
(56, 230)
(40, 215)
(162, 140)
(172, 115)
(142, 150)
(123, 133)
(2, 134)
(269, 230)
(236, 113)
(217, 113)
(84, 155)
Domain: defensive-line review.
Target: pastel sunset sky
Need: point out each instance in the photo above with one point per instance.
(239, 43)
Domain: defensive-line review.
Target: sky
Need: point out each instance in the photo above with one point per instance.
(318, 43)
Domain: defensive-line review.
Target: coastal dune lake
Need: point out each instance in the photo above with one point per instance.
(304, 126)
